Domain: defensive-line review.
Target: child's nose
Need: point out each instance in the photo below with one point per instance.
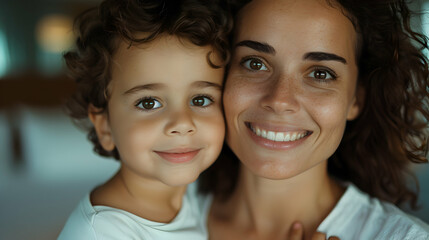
(181, 123)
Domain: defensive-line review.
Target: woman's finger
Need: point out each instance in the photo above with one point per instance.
(334, 238)
(296, 232)
(322, 236)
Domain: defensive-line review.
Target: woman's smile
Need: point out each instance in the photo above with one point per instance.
(277, 137)
(289, 91)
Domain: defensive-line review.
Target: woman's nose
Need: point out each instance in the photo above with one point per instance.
(281, 96)
(181, 123)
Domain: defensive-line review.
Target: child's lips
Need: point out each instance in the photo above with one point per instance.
(178, 155)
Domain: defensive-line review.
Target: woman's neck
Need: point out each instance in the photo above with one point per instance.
(269, 207)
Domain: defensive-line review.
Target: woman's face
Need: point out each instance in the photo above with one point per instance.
(291, 86)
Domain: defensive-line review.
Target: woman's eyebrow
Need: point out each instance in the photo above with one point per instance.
(322, 56)
(258, 46)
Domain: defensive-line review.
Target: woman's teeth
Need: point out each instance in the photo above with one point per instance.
(279, 136)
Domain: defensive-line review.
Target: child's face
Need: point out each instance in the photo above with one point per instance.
(164, 111)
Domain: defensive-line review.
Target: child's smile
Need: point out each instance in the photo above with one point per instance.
(180, 155)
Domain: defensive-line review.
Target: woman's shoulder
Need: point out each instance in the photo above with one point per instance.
(359, 216)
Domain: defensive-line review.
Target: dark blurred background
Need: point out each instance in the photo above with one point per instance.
(46, 163)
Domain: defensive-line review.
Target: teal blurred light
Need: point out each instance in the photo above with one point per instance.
(4, 54)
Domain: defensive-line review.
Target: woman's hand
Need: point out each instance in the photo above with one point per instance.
(297, 233)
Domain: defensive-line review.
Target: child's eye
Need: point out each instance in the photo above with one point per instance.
(148, 103)
(254, 64)
(322, 75)
(201, 101)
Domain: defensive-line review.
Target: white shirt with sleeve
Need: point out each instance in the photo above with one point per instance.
(359, 216)
(101, 222)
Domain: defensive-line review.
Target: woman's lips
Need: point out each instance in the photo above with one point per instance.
(281, 140)
(289, 135)
(179, 155)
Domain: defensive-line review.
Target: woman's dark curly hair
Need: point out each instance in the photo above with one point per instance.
(392, 129)
(100, 31)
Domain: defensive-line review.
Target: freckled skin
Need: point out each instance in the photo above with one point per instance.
(290, 88)
(284, 94)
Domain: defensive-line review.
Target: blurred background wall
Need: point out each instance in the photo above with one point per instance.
(46, 163)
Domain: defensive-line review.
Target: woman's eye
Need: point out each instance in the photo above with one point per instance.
(201, 101)
(254, 64)
(322, 75)
(149, 104)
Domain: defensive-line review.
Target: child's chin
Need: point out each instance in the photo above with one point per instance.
(181, 181)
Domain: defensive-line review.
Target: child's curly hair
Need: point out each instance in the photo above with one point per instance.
(100, 31)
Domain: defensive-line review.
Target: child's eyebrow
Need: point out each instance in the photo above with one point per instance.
(152, 86)
(205, 84)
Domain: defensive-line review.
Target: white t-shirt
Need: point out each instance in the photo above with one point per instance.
(358, 216)
(102, 222)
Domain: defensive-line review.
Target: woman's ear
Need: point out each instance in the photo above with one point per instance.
(102, 127)
(358, 103)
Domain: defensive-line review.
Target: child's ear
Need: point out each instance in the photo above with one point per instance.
(102, 127)
(357, 104)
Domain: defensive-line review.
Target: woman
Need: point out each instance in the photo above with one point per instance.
(325, 107)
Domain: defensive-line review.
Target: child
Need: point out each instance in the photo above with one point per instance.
(149, 77)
